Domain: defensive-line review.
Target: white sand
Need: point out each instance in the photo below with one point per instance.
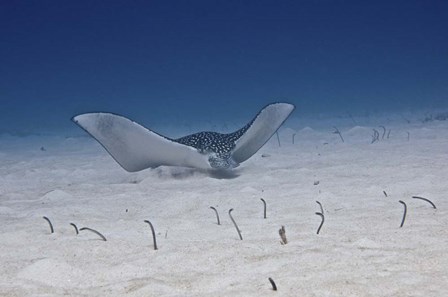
(360, 251)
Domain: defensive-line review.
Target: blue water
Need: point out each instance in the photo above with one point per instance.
(214, 61)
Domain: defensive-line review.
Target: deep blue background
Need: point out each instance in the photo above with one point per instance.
(157, 61)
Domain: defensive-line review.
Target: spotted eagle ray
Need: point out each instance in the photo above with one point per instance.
(135, 147)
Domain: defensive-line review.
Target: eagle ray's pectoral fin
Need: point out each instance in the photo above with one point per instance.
(136, 148)
(255, 134)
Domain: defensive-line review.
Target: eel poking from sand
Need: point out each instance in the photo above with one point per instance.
(136, 148)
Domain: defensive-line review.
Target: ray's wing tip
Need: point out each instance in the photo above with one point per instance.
(75, 118)
(283, 108)
(79, 117)
(281, 102)
(286, 105)
(89, 117)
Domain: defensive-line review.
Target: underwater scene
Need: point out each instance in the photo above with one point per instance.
(225, 148)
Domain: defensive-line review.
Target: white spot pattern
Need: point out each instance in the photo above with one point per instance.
(217, 145)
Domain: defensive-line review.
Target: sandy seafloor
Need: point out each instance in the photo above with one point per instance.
(360, 251)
